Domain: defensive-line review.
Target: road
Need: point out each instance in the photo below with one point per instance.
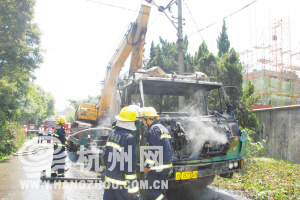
(19, 179)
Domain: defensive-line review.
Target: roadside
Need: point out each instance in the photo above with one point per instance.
(20, 177)
(265, 178)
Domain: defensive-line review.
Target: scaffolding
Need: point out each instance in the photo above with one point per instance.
(273, 68)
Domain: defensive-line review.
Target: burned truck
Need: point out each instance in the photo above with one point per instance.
(206, 139)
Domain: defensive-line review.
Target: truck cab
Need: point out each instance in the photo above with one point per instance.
(206, 139)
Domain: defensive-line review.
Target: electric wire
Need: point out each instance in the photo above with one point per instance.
(111, 5)
(223, 18)
(122, 35)
(193, 19)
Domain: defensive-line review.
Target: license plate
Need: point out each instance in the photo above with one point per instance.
(186, 175)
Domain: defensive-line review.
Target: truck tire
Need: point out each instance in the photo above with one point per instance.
(71, 147)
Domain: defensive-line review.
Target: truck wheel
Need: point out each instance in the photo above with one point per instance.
(204, 181)
(71, 147)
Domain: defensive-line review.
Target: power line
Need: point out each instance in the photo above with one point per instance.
(112, 5)
(193, 19)
(223, 18)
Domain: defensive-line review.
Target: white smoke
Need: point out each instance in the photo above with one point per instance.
(199, 132)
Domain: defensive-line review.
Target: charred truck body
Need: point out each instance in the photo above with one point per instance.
(206, 139)
(205, 142)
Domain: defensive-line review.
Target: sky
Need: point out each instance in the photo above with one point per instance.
(80, 36)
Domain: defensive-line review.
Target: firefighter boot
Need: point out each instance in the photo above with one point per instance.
(53, 174)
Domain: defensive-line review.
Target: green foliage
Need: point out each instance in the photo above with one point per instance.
(244, 113)
(19, 41)
(37, 106)
(254, 149)
(11, 137)
(225, 68)
(165, 55)
(265, 178)
(223, 42)
(9, 95)
(20, 55)
(70, 116)
(91, 99)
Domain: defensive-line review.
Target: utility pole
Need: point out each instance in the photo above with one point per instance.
(180, 50)
(180, 39)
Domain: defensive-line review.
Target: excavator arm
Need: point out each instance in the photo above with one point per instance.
(133, 42)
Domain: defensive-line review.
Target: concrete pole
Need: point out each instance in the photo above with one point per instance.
(180, 40)
(180, 50)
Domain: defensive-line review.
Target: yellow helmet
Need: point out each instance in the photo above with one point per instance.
(60, 120)
(149, 112)
(127, 114)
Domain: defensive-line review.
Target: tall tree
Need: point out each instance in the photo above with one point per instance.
(223, 42)
(20, 55)
(202, 50)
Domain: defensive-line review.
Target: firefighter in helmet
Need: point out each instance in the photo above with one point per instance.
(120, 174)
(157, 135)
(59, 145)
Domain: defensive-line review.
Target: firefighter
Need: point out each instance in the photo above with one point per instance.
(157, 135)
(59, 154)
(120, 174)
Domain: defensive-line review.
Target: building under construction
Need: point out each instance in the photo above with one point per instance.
(273, 68)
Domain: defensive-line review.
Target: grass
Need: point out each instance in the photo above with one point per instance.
(265, 178)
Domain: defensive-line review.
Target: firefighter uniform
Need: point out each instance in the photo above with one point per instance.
(59, 154)
(120, 174)
(157, 135)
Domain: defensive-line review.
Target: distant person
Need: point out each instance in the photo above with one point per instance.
(41, 134)
(25, 130)
(59, 154)
(49, 133)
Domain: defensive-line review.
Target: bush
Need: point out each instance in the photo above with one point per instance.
(11, 138)
(254, 149)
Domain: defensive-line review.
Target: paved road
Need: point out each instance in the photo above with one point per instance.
(19, 179)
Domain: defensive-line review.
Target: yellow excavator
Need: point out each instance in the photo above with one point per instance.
(133, 42)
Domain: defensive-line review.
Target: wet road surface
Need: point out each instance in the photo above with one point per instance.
(20, 179)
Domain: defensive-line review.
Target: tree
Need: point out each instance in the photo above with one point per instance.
(225, 68)
(20, 55)
(244, 113)
(37, 106)
(202, 51)
(223, 42)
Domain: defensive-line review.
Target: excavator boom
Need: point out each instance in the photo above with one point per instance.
(133, 42)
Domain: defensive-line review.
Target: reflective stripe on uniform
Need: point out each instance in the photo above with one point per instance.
(133, 190)
(118, 182)
(62, 145)
(61, 174)
(165, 136)
(114, 145)
(55, 134)
(161, 167)
(130, 176)
(151, 162)
(160, 197)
